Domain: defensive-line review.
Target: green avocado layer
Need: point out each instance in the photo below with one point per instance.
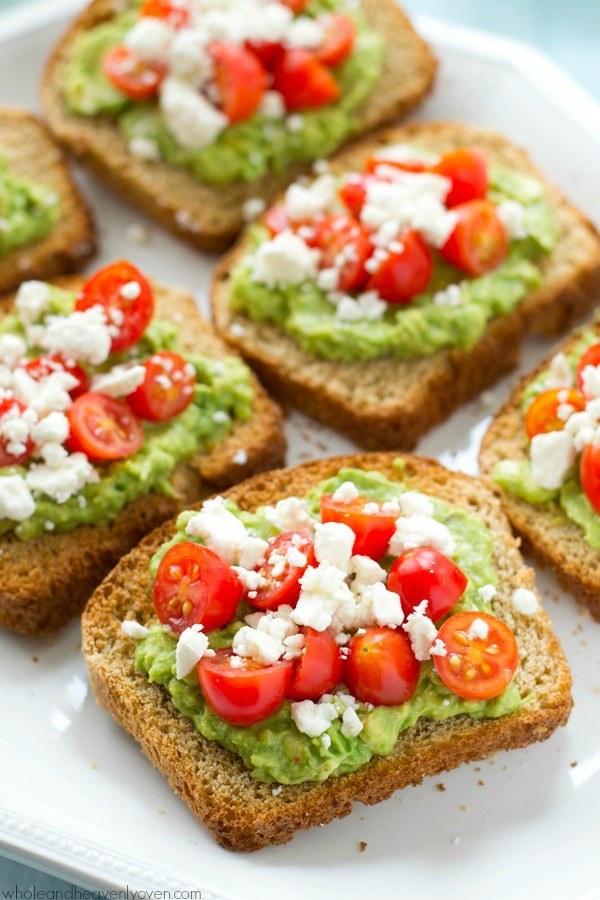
(275, 750)
(243, 152)
(28, 211)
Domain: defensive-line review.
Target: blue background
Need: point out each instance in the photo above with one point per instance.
(569, 32)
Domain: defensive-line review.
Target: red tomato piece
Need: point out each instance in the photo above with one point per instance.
(479, 242)
(426, 574)
(373, 530)
(42, 366)
(467, 169)
(591, 357)
(176, 14)
(374, 163)
(167, 389)
(303, 81)
(295, 5)
(244, 694)
(476, 668)
(267, 52)
(381, 667)
(353, 192)
(137, 78)
(589, 474)
(103, 428)
(127, 299)
(542, 415)
(319, 670)
(194, 586)
(10, 407)
(405, 272)
(341, 237)
(282, 570)
(340, 36)
(241, 80)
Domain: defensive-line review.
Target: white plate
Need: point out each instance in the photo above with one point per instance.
(78, 798)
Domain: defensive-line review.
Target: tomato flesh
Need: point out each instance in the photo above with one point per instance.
(426, 574)
(542, 414)
(176, 15)
(479, 242)
(103, 428)
(194, 586)
(245, 694)
(303, 81)
(373, 530)
(476, 668)
(127, 299)
(167, 389)
(267, 52)
(467, 169)
(589, 473)
(591, 357)
(137, 78)
(353, 193)
(339, 40)
(319, 670)
(342, 237)
(241, 80)
(374, 163)
(10, 406)
(405, 272)
(281, 576)
(381, 667)
(42, 366)
(295, 5)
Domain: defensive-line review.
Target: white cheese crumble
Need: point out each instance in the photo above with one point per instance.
(346, 492)
(412, 503)
(253, 208)
(134, 629)
(226, 534)
(487, 592)
(144, 148)
(478, 630)
(591, 381)
(192, 646)
(189, 116)
(257, 645)
(286, 259)
(413, 201)
(421, 531)
(333, 543)
(16, 502)
(305, 202)
(552, 455)
(351, 724)
(368, 306)
(83, 336)
(421, 631)
(512, 215)
(323, 591)
(62, 477)
(121, 381)
(150, 39)
(525, 602)
(386, 608)
(290, 514)
(313, 718)
(32, 301)
(12, 349)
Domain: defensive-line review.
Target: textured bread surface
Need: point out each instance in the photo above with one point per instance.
(45, 581)
(551, 537)
(210, 217)
(389, 403)
(241, 812)
(32, 154)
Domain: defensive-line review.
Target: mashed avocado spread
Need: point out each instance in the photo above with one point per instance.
(243, 152)
(222, 386)
(27, 210)
(516, 476)
(274, 750)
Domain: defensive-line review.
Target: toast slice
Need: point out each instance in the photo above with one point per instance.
(32, 154)
(389, 403)
(547, 533)
(45, 581)
(243, 813)
(210, 217)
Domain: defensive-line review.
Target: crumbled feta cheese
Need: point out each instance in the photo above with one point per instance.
(257, 645)
(60, 483)
(591, 381)
(385, 605)
(366, 572)
(582, 427)
(120, 381)
(251, 580)
(421, 631)
(191, 647)
(286, 259)
(313, 718)
(189, 116)
(478, 630)
(421, 531)
(53, 428)
(240, 457)
(412, 503)
(525, 602)
(150, 39)
(552, 455)
(133, 629)
(272, 105)
(305, 32)
(560, 372)
(16, 502)
(351, 724)
(451, 296)
(252, 208)
(333, 543)
(83, 336)
(368, 306)
(487, 592)
(512, 215)
(438, 648)
(323, 591)
(404, 153)
(305, 202)
(144, 148)
(325, 741)
(295, 123)
(50, 394)
(225, 533)
(346, 492)
(12, 349)
(15, 429)
(290, 514)
(31, 301)
(412, 200)
(188, 56)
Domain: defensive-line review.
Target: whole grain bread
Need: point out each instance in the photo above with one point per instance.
(388, 403)
(32, 153)
(242, 813)
(210, 217)
(45, 581)
(548, 534)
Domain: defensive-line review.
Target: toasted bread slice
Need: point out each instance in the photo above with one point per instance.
(547, 533)
(32, 154)
(390, 403)
(46, 580)
(210, 217)
(243, 813)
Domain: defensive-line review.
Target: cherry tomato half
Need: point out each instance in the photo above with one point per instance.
(10, 406)
(341, 235)
(589, 474)
(137, 78)
(467, 169)
(126, 297)
(194, 586)
(175, 14)
(426, 574)
(542, 414)
(103, 428)
(244, 694)
(340, 36)
(303, 81)
(373, 530)
(381, 667)
(267, 52)
(319, 669)
(476, 668)
(591, 357)
(241, 80)
(295, 5)
(479, 242)
(282, 577)
(167, 388)
(374, 163)
(405, 272)
(42, 366)
(353, 192)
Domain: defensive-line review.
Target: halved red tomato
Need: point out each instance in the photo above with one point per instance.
(42, 366)
(281, 570)
(340, 36)
(591, 357)
(479, 242)
(11, 406)
(297, 6)
(137, 78)
(194, 586)
(303, 81)
(176, 14)
(381, 667)
(476, 667)
(241, 80)
(589, 473)
(341, 238)
(267, 52)
(405, 272)
(542, 414)
(373, 528)
(246, 693)
(353, 192)
(426, 574)
(103, 428)
(467, 169)
(127, 300)
(319, 669)
(167, 389)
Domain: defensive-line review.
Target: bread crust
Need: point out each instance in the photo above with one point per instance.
(547, 533)
(241, 812)
(33, 154)
(388, 403)
(45, 581)
(210, 217)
